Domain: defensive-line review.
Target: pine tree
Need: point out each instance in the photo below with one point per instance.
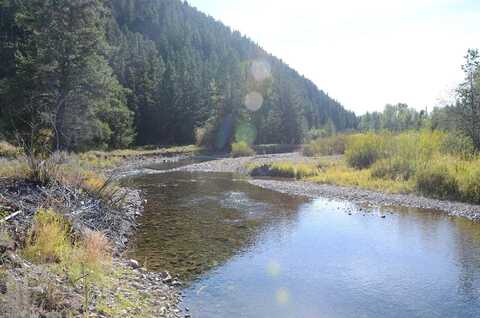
(62, 80)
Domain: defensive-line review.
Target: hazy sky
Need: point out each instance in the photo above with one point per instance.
(364, 53)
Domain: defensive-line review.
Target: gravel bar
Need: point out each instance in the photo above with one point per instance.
(314, 190)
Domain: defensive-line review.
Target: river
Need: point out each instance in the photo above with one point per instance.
(244, 251)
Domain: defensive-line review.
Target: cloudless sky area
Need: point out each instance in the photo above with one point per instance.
(364, 53)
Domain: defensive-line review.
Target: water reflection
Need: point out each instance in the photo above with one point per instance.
(194, 221)
(250, 252)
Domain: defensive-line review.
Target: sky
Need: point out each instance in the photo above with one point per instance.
(363, 53)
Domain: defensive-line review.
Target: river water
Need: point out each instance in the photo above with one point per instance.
(250, 252)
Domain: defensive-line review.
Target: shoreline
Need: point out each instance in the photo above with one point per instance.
(152, 294)
(314, 190)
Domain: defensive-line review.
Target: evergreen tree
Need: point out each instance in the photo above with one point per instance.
(62, 81)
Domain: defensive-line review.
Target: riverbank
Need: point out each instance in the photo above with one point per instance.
(312, 190)
(44, 288)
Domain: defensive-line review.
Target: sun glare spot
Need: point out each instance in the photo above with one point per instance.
(273, 269)
(261, 70)
(254, 101)
(245, 132)
(282, 296)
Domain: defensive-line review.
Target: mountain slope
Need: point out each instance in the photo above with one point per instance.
(202, 59)
(187, 76)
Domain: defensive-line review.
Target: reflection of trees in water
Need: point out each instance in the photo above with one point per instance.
(195, 222)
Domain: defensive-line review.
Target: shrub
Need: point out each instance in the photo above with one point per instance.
(393, 169)
(437, 181)
(470, 184)
(42, 171)
(241, 149)
(458, 144)
(364, 150)
(49, 238)
(334, 145)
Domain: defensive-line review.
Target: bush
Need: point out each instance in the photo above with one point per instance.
(334, 145)
(48, 240)
(436, 181)
(458, 144)
(393, 169)
(470, 184)
(241, 149)
(364, 150)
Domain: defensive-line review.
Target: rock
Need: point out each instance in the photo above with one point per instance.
(134, 264)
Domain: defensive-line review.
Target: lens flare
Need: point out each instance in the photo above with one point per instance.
(245, 132)
(224, 132)
(254, 101)
(261, 70)
(273, 269)
(282, 296)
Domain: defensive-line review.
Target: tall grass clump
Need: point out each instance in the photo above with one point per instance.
(364, 150)
(327, 146)
(241, 149)
(396, 168)
(436, 180)
(48, 240)
(85, 261)
(459, 145)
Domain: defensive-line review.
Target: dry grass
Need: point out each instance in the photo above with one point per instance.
(339, 173)
(8, 150)
(48, 240)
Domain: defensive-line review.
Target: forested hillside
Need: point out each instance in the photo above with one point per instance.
(82, 74)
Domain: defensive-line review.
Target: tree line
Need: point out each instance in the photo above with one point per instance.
(83, 74)
(461, 117)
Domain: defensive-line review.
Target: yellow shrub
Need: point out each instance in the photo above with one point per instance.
(49, 238)
(364, 150)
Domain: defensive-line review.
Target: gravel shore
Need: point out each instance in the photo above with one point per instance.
(313, 190)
